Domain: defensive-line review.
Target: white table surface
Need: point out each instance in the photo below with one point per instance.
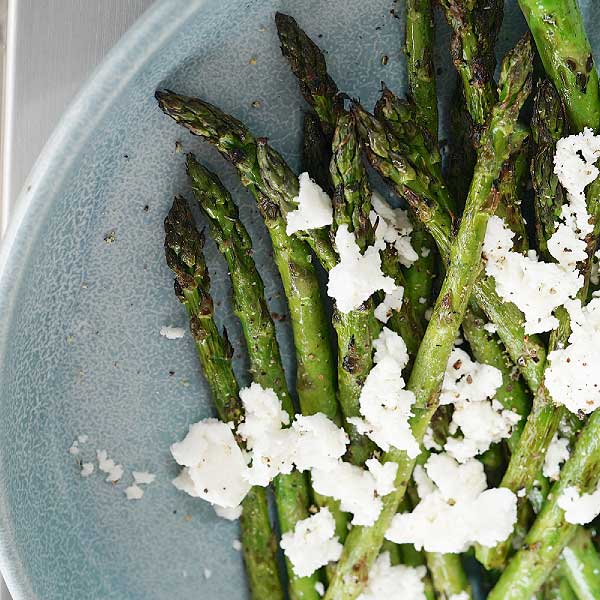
(51, 48)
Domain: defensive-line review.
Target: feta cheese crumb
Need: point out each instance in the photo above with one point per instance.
(490, 327)
(320, 588)
(262, 430)
(385, 404)
(579, 508)
(87, 469)
(392, 302)
(536, 288)
(359, 491)
(107, 465)
(557, 453)
(172, 333)
(468, 385)
(522, 493)
(357, 276)
(319, 442)
(143, 477)
(134, 492)
(231, 514)
(456, 509)
(573, 377)
(386, 581)
(393, 227)
(312, 544)
(215, 467)
(237, 545)
(314, 207)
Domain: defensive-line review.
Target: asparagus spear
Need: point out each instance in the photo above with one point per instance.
(291, 491)
(316, 152)
(183, 249)
(580, 564)
(419, 60)
(315, 378)
(557, 587)
(551, 533)
(384, 153)
(557, 28)
(308, 65)
(363, 543)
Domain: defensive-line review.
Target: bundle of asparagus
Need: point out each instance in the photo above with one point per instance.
(384, 486)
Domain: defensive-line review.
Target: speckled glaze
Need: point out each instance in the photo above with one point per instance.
(80, 350)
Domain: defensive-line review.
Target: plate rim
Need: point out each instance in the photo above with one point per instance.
(73, 130)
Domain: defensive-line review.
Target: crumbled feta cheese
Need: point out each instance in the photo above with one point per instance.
(490, 327)
(262, 430)
(385, 404)
(237, 545)
(456, 509)
(522, 493)
(107, 465)
(573, 377)
(314, 207)
(429, 442)
(358, 491)
(215, 466)
(467, 380)
(428, 314)
(468, 384)
(357, 276)
(392, 302)
(557, 453)
(320, 588)
(425, 252)
(312, 544)
(87, 469)
(536, 497)
(143, 477)
(460, 596)
(134, 492)
(172, 333)
(574, 160)
(231, 514)
(481, 424)
(392, 226)
(579, 508)
(386, 581)
(536, 288)
(319, 442)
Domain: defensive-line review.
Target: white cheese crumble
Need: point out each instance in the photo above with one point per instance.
(391, 302)
(579, 508)
(172, 333)
(215, 467)
(392, 226)
(357, 276)
(573, 377)
(386, 581)
(319, 442)
(491, 328)
(536, 288)
(312, 544)
(385, 404)
(468, 385)
(314, 207)
(320, 588)
(456, 510)
(87, 469)
(262, 430)
(143, 477)
(230, 514)
(107, 465)
(557, 453)
(237, 545)
(358, 491)
(134, 492)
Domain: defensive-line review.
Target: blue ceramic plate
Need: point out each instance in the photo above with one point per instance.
(84, 292)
